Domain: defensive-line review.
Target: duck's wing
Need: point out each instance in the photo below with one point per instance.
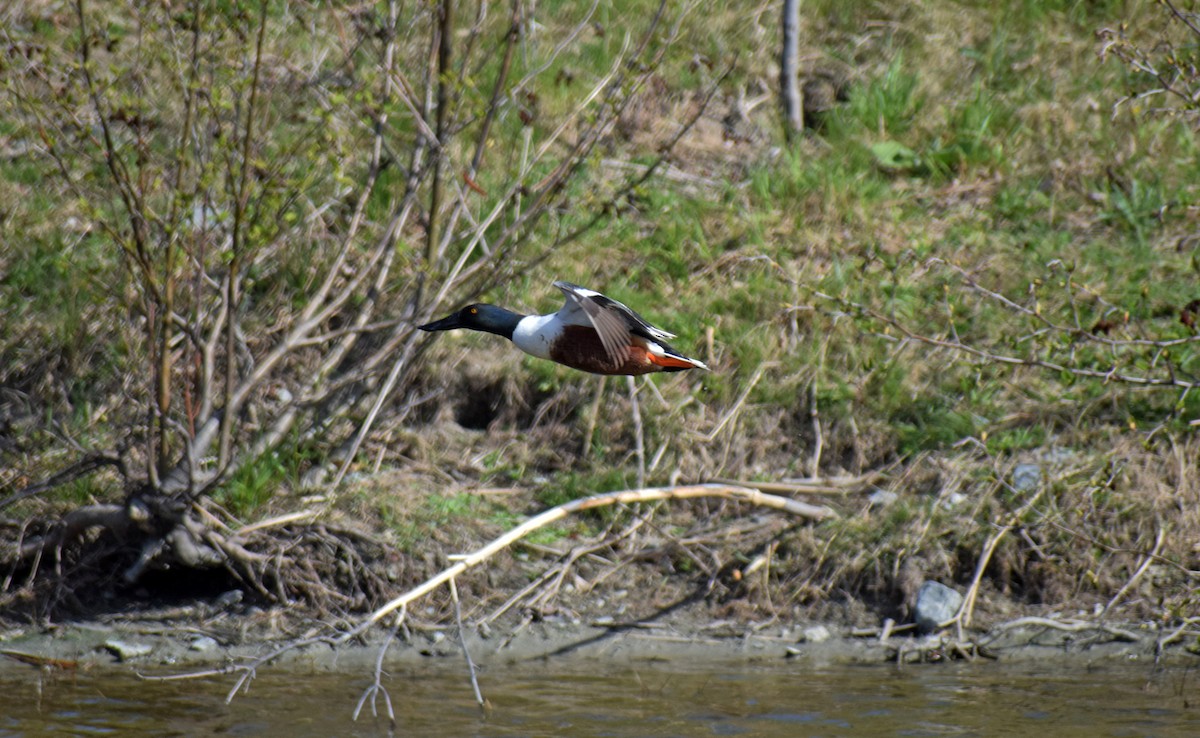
(590, 308)
(595, 303)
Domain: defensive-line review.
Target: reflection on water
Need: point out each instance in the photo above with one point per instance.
(560, 699)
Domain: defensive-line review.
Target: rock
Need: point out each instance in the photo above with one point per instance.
(125, 650)
(815, 634)
(228, 599)
(203, 644)
(1026, 477)
(1058, 456)
(882, 498)
(936, 603)
(953, 500)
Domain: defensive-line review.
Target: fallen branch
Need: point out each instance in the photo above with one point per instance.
(555, 514)
(1069, 626)
(44, 662)
(279, 520)
(963, 618)
(1185, 629)
(831, 486)
(248, 671)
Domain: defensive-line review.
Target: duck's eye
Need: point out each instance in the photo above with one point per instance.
(474, 311)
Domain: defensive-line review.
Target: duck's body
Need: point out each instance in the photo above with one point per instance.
(591, 332)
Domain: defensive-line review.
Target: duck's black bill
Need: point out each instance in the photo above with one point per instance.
(450, 322)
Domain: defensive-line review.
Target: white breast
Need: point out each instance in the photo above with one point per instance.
(535, 333)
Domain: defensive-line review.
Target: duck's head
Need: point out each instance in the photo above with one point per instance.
(478, 317)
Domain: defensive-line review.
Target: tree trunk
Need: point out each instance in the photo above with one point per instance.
(789, 84)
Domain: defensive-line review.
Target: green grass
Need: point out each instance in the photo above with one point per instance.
(252, 486)
(573, 485)
(858, 222)
(975, 188)
(886, 106)
(259, 482)
(990, 153)
(413, 524)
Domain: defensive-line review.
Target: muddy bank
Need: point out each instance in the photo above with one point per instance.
(697, 581)
(154, 649)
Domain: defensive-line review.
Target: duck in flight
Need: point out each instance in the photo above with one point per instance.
(591, 332)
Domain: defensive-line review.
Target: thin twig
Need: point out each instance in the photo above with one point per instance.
(593, 415)
(962, 619)
(732, 412)
(377, 688)
(462, 641)
(639, 439)
(1108, 375)
(83, 467)
(1159, 537)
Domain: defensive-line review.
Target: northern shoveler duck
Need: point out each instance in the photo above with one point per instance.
(590, 332)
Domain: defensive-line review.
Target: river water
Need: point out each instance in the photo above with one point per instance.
(1047, 700)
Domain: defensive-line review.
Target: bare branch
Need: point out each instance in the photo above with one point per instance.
(1110, 375)
(589, 503)
(81, 468)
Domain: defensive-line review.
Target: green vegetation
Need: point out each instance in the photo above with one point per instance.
(982, 256)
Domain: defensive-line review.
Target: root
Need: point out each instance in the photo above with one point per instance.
(111, 517)
(330, 571)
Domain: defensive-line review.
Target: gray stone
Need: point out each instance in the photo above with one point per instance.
(816, 634)
(936, 603)
(227, 599)
(1058, 456)
(126, 650)
(953, 500)
(1026, 477)
(203, 644)
(882, 498)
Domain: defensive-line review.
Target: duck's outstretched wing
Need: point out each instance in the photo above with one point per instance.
(637, 325)
(616, 325)
(588, 307)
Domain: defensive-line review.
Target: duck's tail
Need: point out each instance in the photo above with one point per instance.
(671, 360)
